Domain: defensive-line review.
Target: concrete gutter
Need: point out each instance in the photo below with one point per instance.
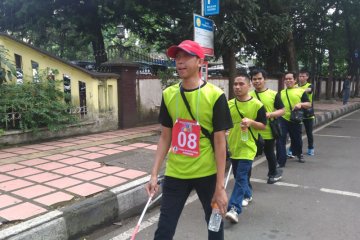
(110, 206)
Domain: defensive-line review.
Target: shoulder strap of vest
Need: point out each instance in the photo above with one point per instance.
(242, 116)
(287, 96)
(257, 95)
(204, 130)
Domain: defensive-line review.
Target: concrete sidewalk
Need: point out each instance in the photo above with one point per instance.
(64, 188)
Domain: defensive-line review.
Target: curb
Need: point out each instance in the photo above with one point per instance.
(82, 217)
(118, 203)
(333, 114)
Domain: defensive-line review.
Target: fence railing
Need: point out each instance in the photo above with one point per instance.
(148, 64)
(11, 119)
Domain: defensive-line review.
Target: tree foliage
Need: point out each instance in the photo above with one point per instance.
(281, 33)
(5, 75)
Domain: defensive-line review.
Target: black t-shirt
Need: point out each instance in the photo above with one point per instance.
(261, 115)
(278, 103)
(305, 98)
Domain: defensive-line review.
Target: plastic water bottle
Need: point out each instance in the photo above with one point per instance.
(215, 219)
(244, 134)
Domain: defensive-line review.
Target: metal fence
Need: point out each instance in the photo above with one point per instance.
(11, 120)
(148, 64)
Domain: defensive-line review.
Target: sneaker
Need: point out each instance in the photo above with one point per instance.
(232, 215)
(301, 158)
(289, 154)
(275, 178)
(246, 201)
(279, 166)
(310, 152)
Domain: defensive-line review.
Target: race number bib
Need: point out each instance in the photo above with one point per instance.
(185, 138)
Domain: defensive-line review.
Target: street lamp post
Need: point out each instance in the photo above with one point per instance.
(121, 35)
(120, 31)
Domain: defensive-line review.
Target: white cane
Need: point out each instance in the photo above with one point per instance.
(136, 230)
(228, 176)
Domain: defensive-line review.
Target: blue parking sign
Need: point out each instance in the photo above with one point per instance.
(211, 7)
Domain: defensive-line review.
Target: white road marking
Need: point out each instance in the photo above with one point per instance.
(327, 190)
(333, 121)
(287, 184)
(277, 183)
(144, 224)
(335, 136)
(340, 192)
(352, 119)
(149, 222)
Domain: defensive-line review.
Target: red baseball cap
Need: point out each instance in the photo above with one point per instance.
(191, 47)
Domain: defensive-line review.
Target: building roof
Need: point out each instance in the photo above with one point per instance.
(91, 73)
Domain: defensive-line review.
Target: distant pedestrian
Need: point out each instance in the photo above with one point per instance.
(346, 89)
(274, 108)
(309, 115)
(194, 116)
(294, 99)
(248, 115)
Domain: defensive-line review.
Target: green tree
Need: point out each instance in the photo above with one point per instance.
(61, 26)
(5, 74)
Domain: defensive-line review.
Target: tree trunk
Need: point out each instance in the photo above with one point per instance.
(272, 61)
(230, 67)
(313, 70)
(349, 39)
(291, 53)
(93, 28)
(331, 74)
(99, 48)
(357, 80)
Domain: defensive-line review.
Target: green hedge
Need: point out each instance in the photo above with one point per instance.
(39, 105)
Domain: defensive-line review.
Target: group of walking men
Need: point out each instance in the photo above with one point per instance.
(195, 115)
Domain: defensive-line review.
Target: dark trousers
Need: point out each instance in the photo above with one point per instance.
(308, 124)
(175, 193)
(294, 130)
(346, 95)
(270, 156)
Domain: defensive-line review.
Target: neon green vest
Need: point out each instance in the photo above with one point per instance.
(310, 95)
(295, 95)
(185, 167)
(267, 98)
(238, 148)
(306, 86)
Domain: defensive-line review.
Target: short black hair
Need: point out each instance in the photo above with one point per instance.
(291, 72)
(257, 71)
(304, 71)
(244, 75)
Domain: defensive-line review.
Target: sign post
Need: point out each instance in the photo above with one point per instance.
(210, 7)
(204, 34)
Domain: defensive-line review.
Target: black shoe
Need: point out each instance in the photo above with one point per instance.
(301, 158)
(275, 178)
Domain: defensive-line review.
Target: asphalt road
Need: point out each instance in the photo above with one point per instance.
(319, 199)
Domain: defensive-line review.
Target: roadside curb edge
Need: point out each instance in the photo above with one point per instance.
(81, 217)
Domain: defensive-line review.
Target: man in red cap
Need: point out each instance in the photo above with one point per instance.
(194, 116)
